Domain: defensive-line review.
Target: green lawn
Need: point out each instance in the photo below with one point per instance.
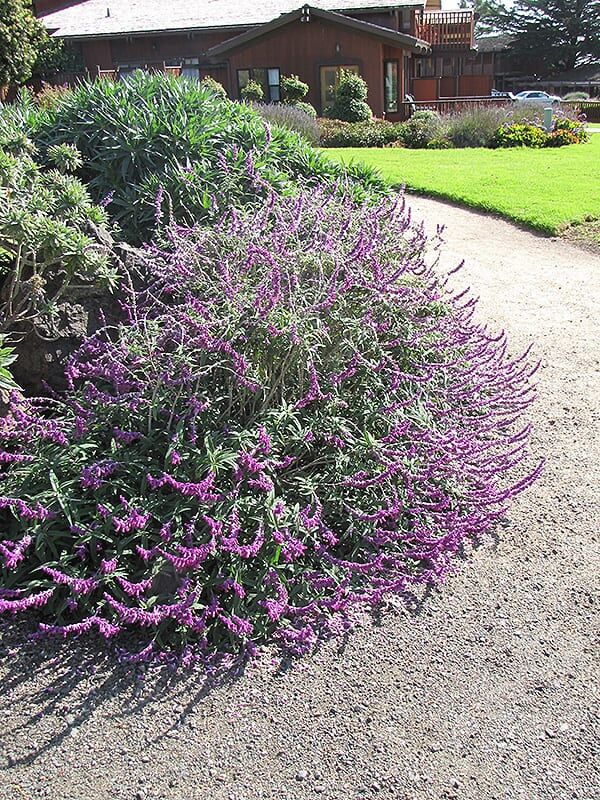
(545, 189)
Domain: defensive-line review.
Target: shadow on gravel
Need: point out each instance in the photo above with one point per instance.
(70, 679)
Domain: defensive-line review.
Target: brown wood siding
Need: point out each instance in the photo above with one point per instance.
(97, 54)
(166, 48)
(475, 85)
(301, 49)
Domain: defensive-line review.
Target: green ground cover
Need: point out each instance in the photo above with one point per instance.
(547, 189)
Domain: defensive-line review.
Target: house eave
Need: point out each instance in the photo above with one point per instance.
(401, 40)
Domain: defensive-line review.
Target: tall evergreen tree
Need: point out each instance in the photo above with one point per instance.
(21, 36)
(550, 36)
(490, 14)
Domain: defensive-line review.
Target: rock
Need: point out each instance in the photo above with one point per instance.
(302, 775)
(564, 727)
(42, 359)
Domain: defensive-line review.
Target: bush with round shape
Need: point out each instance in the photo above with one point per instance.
(350, 97)
(575, 129)
(216, 88)
(293, 90)
(576, 96)
(152, 134)
(419, 129)
(299, 421)
(519, 134)
(307, 108)
(253, 92)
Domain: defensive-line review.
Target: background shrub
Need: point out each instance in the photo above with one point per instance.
(576, 96)
(293, 93)
(575, 128)
(253, 92)
(519, 134)
(350, 99)
(297, 419)
(373, 133)
(293, 117)
(419, 129)
(293, 89)
(440, 143)
(307, 108)
(216, 88)
(474, 126)
(157, 136)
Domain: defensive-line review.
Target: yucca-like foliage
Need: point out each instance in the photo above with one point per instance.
(157, 133)
(298, 420)
(52, 236)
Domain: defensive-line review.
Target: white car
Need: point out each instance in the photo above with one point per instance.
(534, 96)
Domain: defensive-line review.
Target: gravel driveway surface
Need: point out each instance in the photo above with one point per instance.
(485, 689)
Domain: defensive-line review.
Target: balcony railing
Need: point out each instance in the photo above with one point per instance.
(446, 29)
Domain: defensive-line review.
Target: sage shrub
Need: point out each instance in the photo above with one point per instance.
(298, 421)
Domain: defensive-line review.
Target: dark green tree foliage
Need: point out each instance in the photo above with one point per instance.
(350, 99)
(55, 56)
(490, 14)
(551, 36)
(21, 36)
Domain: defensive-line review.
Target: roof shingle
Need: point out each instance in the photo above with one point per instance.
(120, 17)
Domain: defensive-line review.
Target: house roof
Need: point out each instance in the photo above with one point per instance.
(492, 42)
(104, 18)
(386, 34)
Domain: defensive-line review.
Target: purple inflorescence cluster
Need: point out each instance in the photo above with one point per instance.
(304, 421)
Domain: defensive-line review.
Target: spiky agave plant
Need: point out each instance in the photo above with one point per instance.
(299, 419)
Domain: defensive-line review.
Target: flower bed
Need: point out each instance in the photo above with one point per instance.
(483, 126)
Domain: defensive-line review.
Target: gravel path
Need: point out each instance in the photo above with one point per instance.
(487, 689)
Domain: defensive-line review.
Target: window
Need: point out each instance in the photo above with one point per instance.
(330, 78)
(390, 86)
(406, 19)
(274, 93)
(424, 67)
(267, 78)
(190, 69)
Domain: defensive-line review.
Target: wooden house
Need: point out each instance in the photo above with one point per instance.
(410, 46)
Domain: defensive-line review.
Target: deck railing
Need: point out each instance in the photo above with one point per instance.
(448, 106)
(446, 29)
(590, 109)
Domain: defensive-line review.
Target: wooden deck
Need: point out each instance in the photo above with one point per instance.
(446, 29)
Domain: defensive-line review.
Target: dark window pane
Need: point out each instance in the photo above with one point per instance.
(243, 78)
(391, 85)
